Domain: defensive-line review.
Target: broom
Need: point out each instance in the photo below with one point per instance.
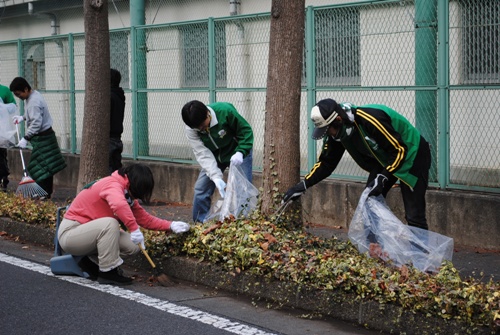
(27, 187)
(162, 278)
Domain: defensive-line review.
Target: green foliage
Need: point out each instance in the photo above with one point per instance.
(27, 210)
(265, 247)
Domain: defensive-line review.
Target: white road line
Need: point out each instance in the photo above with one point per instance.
(163, 305)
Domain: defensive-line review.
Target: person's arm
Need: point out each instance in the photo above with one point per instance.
(148, 221)
(203, 155)
(34, 117)
(330, 156)
(328, 160)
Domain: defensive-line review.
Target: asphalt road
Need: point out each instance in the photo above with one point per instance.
(34, 301)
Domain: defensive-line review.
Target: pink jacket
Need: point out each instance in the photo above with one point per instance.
(106, 198)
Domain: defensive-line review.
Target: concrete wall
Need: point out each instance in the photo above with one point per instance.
(470, 218)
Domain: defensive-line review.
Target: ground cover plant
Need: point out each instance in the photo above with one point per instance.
(268, 248)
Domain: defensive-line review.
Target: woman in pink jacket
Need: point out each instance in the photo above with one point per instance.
(91, 225)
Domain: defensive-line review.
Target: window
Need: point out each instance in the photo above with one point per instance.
(119, 57)
(337, 47)
(195, 55)
(481, 41)
(34, 65)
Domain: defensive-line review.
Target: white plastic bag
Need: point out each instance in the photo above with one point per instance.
(240, 200)
(376, 230)
(7, 128)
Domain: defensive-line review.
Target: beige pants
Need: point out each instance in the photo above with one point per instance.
(102, 237)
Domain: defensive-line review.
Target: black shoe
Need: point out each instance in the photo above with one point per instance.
(113, 277)
(90, 267)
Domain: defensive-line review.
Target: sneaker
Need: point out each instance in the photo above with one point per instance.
(90, 267)
(113, 277)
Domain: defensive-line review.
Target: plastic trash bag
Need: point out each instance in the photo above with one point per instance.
(377, 231)
(240, 200)
(7, 128)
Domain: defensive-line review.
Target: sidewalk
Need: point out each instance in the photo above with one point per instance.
(471, 262)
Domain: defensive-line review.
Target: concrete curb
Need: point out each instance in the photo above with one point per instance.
(337, 304)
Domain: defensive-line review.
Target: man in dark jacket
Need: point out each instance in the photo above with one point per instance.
(382, 142)
(117, 113)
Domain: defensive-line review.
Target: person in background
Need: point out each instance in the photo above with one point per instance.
(91, 225)
(382, 142)
(6, 97)
(219, 136)
(46, 158)
(117, 113)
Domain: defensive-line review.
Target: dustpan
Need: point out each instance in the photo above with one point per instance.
(64, 264)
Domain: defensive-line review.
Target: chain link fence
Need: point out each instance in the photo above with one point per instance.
(435, 62)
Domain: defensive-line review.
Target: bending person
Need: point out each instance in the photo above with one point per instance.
(91, 226)
(382, 142)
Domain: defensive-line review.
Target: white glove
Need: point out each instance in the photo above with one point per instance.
(137, 237)
(22, 143)
(17, 119)
(221, 185)
(237, 158)
(179, 227)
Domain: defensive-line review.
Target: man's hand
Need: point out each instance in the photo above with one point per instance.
(237, 158)
(137, 238)
(179, 227)
(22, 143)
(221, 185)
(377, 185)
(16, 119)
(295, 192)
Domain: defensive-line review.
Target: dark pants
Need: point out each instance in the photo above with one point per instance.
(413, 199)
(47, 184)
(115, 154)
(4, 169)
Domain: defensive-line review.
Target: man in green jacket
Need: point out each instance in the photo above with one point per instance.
(219, 136)
(6, 97)
(382, 142)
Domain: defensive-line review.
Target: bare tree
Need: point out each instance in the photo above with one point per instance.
(95, 137)
(282, 121)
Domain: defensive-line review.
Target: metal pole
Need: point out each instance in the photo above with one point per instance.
(426, 73)
(139, 70)
(443, 137)
(311, 84)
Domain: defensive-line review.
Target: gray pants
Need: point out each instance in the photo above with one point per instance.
(102, 237)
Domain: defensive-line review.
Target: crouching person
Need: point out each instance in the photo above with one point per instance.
(91, 225)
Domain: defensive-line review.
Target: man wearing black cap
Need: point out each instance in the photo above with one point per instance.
(382, 142)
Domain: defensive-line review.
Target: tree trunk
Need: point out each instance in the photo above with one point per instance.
(282, 122)
(95, 135)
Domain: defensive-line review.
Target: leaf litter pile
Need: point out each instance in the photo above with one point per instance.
(268, 249)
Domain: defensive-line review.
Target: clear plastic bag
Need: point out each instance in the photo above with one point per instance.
(240, 200)
(377, 231)
(7, 128)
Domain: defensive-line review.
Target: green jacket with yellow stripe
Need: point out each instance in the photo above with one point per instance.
(380, 137)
